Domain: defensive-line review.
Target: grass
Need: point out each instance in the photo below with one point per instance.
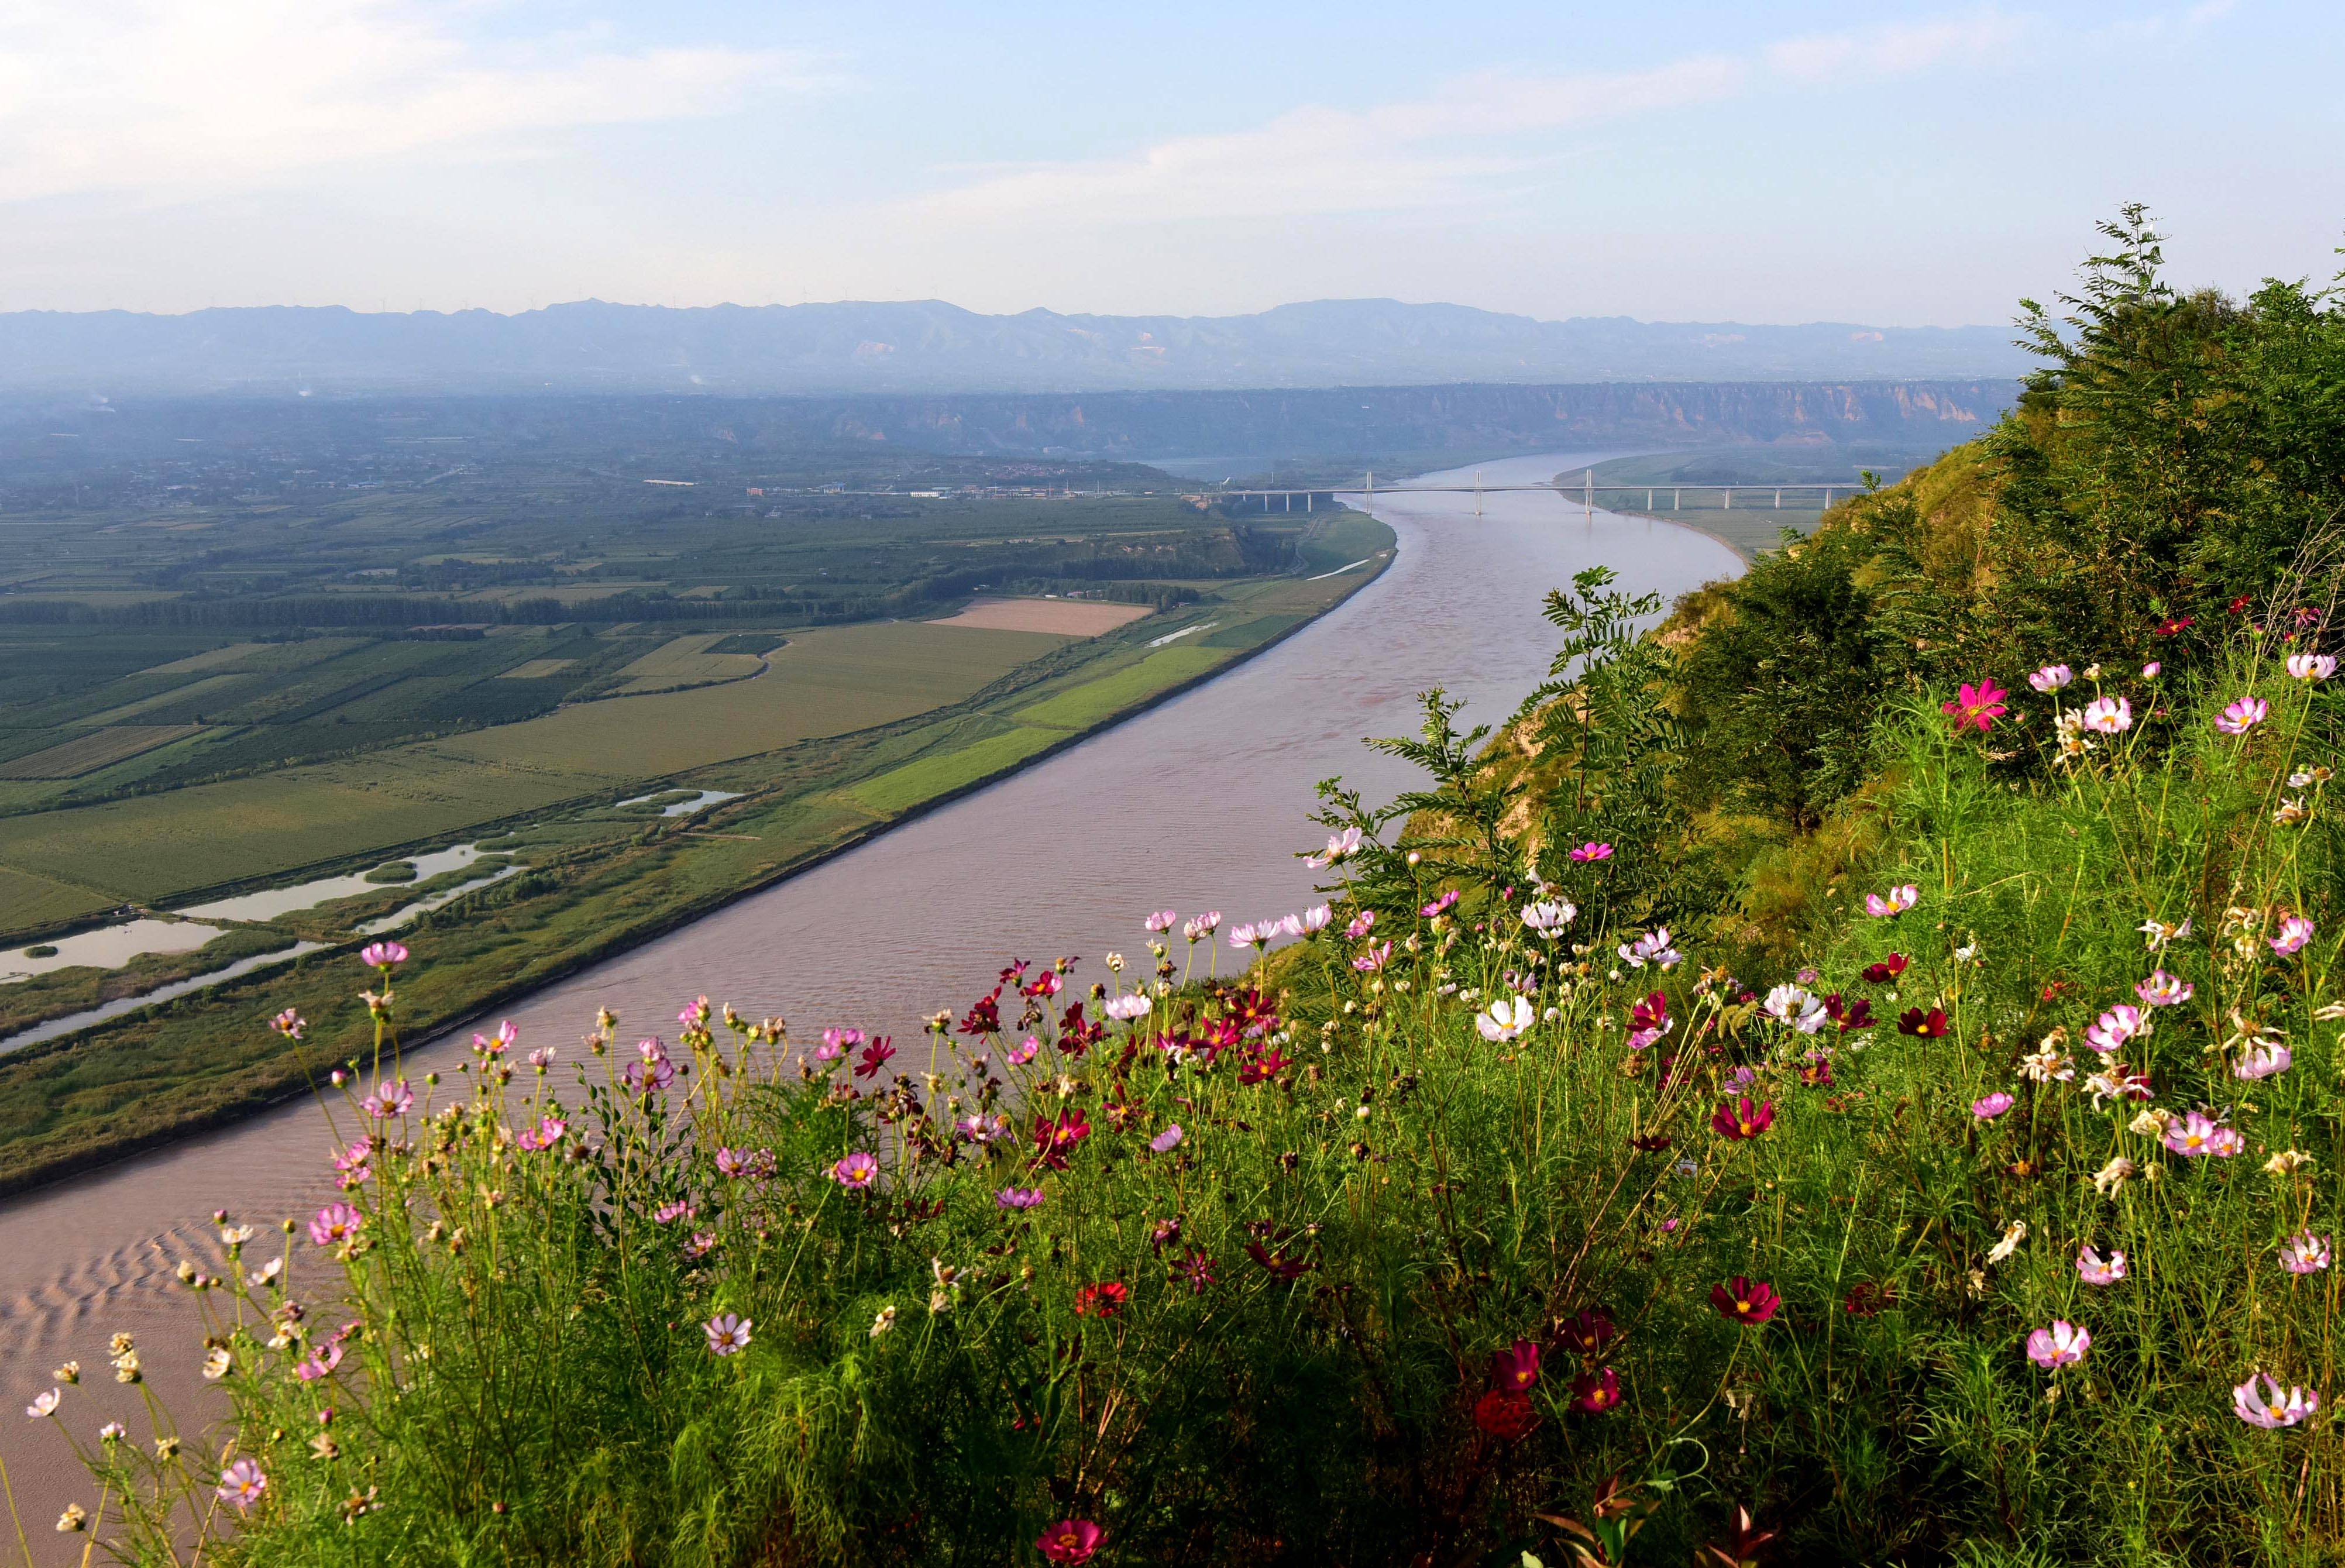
(1081, 705)
(932, 777)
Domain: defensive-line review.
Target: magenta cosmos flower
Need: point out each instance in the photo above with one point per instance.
(2243, 715)
(2108, 715)
(2095, 1269)
(1591, 852)
(1071, 1540)
(1987, 1107)
(728, 1334)
(2294, 933)
(1739, 1300)
(1896, 903)
(855, 1172)
(2268, 1406)
(2304, 1253)
(2195, 1136)
(334, 1223)
(2164, 990)
(2062, 1345)
(382, 954)
(1975, 707)
(2120, 1023)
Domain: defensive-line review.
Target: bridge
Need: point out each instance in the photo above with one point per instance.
(1586, 492)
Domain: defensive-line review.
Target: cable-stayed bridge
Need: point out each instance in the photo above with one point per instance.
(1587, 492)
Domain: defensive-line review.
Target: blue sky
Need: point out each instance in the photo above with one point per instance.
(1891, 162)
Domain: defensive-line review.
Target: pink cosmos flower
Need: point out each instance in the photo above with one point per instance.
(2262, 1060)
(1022, 1054)
(1249, 936)
(1165, 1142)
(334, 1223)
(2311, 666)
(1653, 947)
(1161, 921)
(2149, 671)
(2164, 990)
(1317, 917)
(1441, 905)
(2295, 931)
(2062, 1345)
(546, 1133)
(1897, 901)
(1504, 1019)
(2108, 715)
(241, 1484)
(1374, 959)
(382, 954)
(2195, 1136)
(2120, 1023)
(542, 1057)
(2051, 677)
(1070, 1542)
(2268, 1406)
(1987, 1107)
(856, 1172)
(1976, 707)
(669, 1213)
(2243, 715)
(290, 1024)
(1361, 923)
(1124, 1009)
(1340, 847)
(728, 1334)
(2093, 1270)
(1591, 852)
(328, 1358)
(2304, 1253)
(1018, 1197)
(389, 1100)
(1548, 917)
(44, 1404)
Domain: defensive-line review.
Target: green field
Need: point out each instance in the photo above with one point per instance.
(930, 776)
(97, 749)
(1085, 705)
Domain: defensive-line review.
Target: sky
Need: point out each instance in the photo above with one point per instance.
(1888, 162)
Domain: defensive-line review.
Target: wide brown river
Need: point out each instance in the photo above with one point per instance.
(1199, 803)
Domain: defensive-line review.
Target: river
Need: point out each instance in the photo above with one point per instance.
(1198, 803)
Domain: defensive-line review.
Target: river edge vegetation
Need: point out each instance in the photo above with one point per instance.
(1852, 1077)
(600, 878)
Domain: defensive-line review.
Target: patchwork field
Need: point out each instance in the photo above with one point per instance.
(1066, 618)
(686, 661)
(98, 748)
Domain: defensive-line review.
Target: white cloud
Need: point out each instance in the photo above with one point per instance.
(184, 96)
(1449, 148)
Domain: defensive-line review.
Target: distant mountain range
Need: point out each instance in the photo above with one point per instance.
(927, 346)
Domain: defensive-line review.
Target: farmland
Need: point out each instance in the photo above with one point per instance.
(209, 687)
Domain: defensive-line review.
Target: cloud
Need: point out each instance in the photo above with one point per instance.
(184, 97)
(1450, 147)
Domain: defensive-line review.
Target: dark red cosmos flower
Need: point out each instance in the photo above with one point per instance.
(1195, 1271)
(1587, 1333)
(1927, 1026)
(1254, 1013)
(1047, 984)
(1076, 1035)
(1739, 1119)
(1101, 1300)
(1516, 1367)
(2174, 627)
(2241, 602)
(1849, 1015)
(1505, 1416)
(1652, 1142)
(1867, 1299)
(1280, 1267)
(1740, 1301)
(1650, 1014)
(1018, 966)
(1268, 1065)
(1071, 1540)
(1816, 1074)
(984, 1014)
(1596, 1392)
(874, 1056)
(1887, 970)
(1054, 1141)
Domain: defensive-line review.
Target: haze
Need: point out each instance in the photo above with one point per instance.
(1902, 164)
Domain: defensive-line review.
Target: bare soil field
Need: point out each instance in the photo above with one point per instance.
(1063, 617)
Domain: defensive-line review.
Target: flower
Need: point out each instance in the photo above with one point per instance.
(1975, 707)
(2164, 990)
(1596, 1392)
(883, 1320)
(1548, 917)
(2120, 1023)
(2304, 1253)
(1796, 1007)
(1161, 921)
(1341, 846)
(2243, 715)
(2149, 671)
(1441, 905)
(217, 1364)
(242, 1484)
(2013, 1234)
(1648, 1020)
(1240, 935)
(289, 1023)
(2051, 677)
(1361, 923)
(2108, 715)
(1653, 947)
(1071, 1540)
(1504, 1415)
(2062, 1345)
(2311, 666)
(389, 1100)
(1374, 959)
(321, 1364)
(2112, 1175)
(728, 1334)
(1195, 1271)
(2262, 1060)
(1516, 1369)
(1171, 1139)
(1887, 970)
(112, 1432)
(2093, 1270)
(1018, 1197)
(73, 1520)
(1504, 1020)
(1897, 901)
(337, 1222)
(2194, 1137)
(1103, 1301)
(1591, 852)
(856, 1172)
(1739, 1119)
(2295, 931)
(382, 954)
(44, 1404)
(2270, 1408)
(1315, 918)
(1124, 1008)
(1055, 1140)
(1740, 1301)
(2174, 626)
(874, 1057)
(1930, 1025)
(1987, 1107)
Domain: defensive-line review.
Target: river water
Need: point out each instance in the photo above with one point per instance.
(1198, 803)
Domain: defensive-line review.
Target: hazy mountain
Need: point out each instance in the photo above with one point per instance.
(929, 346)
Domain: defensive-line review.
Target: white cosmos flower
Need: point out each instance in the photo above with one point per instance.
(1505, 1019)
